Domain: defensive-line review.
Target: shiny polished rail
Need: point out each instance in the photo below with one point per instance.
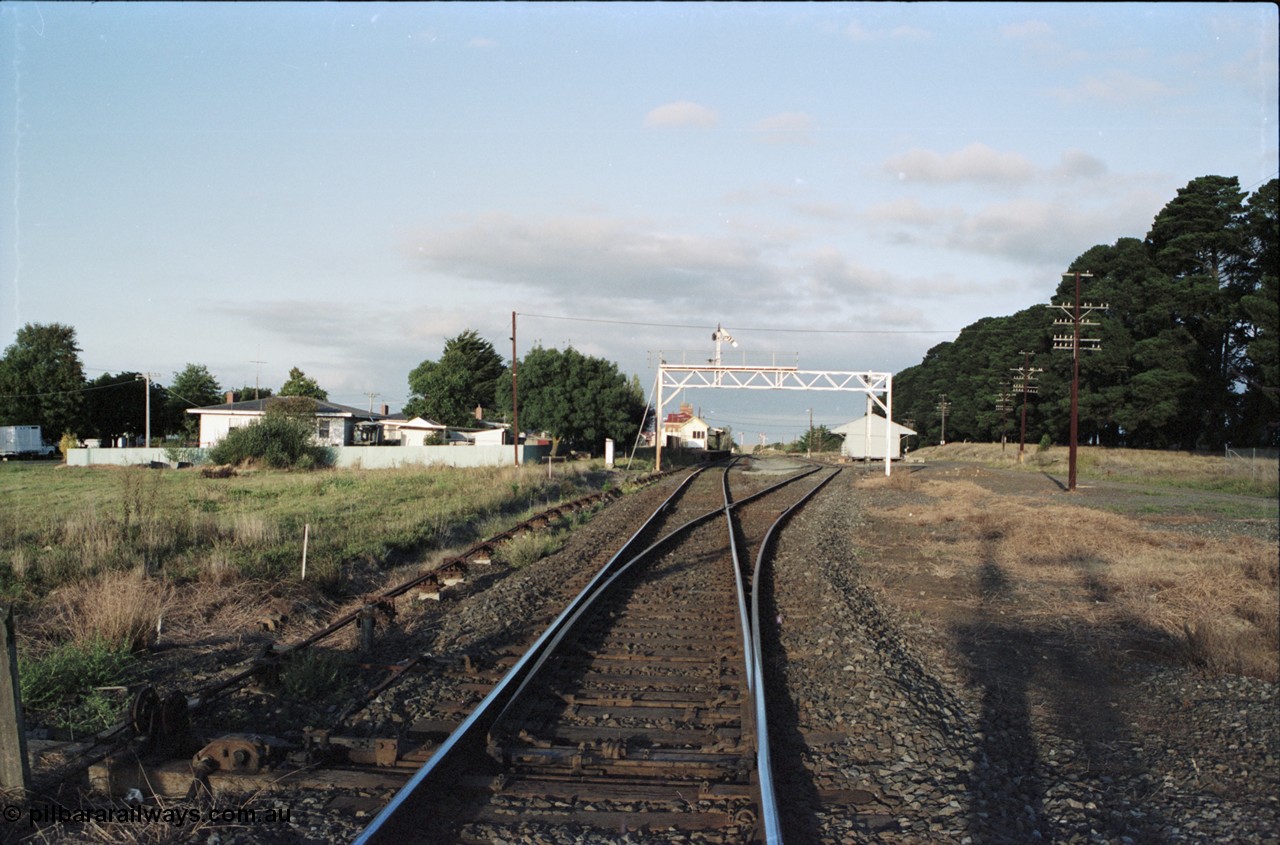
(397, 822)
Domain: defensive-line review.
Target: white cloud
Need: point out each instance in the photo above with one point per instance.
(978, 163)
(785, 128)
(482, 43)
(821, 210)
(681, 113)
(906, 210)
(1077, 164)
(836, 278)
(568, 256)
(1041, 231)
(975, 163)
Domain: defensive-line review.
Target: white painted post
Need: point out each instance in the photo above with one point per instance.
(888, 422)
(658, 427)
(306, 535)
(608, 452)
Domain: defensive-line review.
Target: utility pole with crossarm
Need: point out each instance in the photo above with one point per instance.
(1023, 382)
(1078, 315)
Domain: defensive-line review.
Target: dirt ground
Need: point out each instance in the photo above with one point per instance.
(1067, 690)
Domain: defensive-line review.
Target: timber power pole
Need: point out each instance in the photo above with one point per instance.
(1078, 315)
(515, 405)
(257, 379)
(1004, 404)
(1023, 381)
(146, 401)
(943, 407)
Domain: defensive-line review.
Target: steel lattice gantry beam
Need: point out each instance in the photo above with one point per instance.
(741, 377)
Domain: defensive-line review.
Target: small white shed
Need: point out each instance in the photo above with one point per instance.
(419, 431)
(861, 444)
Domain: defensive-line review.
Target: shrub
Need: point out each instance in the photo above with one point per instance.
(1045, 443)
(278, 440)
(61, 684)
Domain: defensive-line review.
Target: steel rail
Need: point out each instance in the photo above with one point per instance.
(764, 771)
(489, 711)
(202, 697)
(627, 566)
(502, 699)
(739, 587)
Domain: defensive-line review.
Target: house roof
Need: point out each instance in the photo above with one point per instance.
(259, 406)
(419, 422)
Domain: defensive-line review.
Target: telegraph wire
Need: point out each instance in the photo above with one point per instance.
(739, 328)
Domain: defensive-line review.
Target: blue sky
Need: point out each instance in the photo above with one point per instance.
(341, 187)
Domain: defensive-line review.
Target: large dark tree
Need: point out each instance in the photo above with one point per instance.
(250, 391)
(1189, 344)
(116, 406)
(1199, 241)
(42, 379)
(449, 390)
(193, 387)
(1260, 312)
(300, 384)
(579, 400)
(972, 372)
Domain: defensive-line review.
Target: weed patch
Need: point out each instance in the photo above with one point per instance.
(529, 548)
(315, 675)
(64, 684)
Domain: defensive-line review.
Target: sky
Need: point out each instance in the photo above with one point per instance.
(841, 186)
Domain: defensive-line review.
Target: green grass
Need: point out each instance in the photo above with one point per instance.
(61, 685)
(1257, 477)
(78, 544)
(316, 675)
(62, 524)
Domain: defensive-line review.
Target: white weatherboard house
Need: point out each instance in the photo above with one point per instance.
(686, 430)
(857, 443)
(335, 424)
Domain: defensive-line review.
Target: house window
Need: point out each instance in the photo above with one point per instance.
(322, 429)
(699, 435)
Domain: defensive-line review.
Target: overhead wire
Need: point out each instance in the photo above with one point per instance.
(738, 328)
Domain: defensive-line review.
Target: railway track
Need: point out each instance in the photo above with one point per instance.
(640, 709)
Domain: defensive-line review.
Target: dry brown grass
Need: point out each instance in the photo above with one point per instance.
(118, 608)
(1239, 473)
(1071, 566)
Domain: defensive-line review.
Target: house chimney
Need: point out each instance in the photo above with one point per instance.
(386, 410)
(231, 396)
